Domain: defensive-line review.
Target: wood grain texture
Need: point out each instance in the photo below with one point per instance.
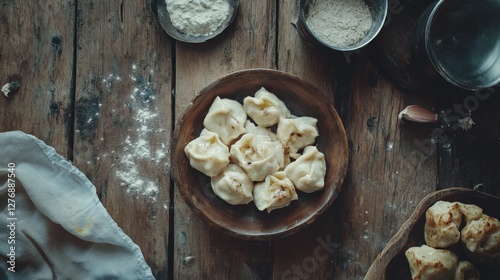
(469, 158)
(123, 119)
(373, 207)
(307, 254)
(201, 252)
(103, 84)
(37, 51)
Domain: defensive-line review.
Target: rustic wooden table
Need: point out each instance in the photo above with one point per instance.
(103, 84)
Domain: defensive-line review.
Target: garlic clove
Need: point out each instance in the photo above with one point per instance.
(416, 113)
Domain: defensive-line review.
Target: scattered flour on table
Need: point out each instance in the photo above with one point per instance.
(198, 17)
(138, 151)
(340, 23)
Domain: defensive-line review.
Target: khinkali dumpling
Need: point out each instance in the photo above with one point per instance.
(207, 153)
(277, 191)
(265, 108)
(233, 185)
(466, 271)
(427, 263)
(481, 237)
(227, 118)
(257, 155)
(442, 222)
(308, 172)
(259, 130)
(297, 133)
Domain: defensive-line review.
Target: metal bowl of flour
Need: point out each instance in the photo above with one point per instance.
(340, 25)
(194, 24)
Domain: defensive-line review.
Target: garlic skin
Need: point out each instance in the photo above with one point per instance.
(416, 113)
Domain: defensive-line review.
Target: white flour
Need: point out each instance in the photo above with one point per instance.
(138, 149)
(340, 23)
(197, 17)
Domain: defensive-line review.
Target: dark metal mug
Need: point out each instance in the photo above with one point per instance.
(458, 41)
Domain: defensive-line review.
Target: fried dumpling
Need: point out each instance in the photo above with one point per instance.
(257, 155)
(442, 222)
(481, 237)
(308, 172)
(265, 108)
(207, 153)
(466, 271)
(233, 185)
(427, 263)
(295, 134)
(277, 191)
(471, 212)
(227, 118)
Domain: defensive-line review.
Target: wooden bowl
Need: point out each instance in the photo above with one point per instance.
(246, 221)
(159, 8)
(392, 264)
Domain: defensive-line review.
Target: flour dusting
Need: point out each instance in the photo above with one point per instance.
(138, 152)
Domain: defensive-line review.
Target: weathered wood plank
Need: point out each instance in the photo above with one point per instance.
(344, 242)
(469, 157)
(201, 252)
(389, 172)
(123, 119)
(323, 70)
(36, 49)
(307, 254)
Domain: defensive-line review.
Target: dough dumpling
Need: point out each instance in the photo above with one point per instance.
(233, 185)
(308, 172)
(481, 237)
(471, 212)
(227, 118)
(257, 155)
(427, 263)
(466, 271)
(265, 108)
(442, 222)
(277, 191)
(259, 130)
(295, 134)
(207, 153)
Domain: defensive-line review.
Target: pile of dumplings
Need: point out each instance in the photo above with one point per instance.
(258, 151)
(480, 238)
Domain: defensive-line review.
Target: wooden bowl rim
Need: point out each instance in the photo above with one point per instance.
(262, 236)
(399, 240)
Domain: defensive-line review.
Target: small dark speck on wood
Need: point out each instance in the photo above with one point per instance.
(54, 107)
(56, 41)
(56, 44)
(371, 123)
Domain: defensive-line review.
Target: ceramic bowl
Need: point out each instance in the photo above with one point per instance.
(391, 263)
(246, 221)
(159, 8)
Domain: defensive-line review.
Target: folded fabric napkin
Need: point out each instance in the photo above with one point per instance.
(53, 225)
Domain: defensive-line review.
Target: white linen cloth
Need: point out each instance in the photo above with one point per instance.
(61, 229)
